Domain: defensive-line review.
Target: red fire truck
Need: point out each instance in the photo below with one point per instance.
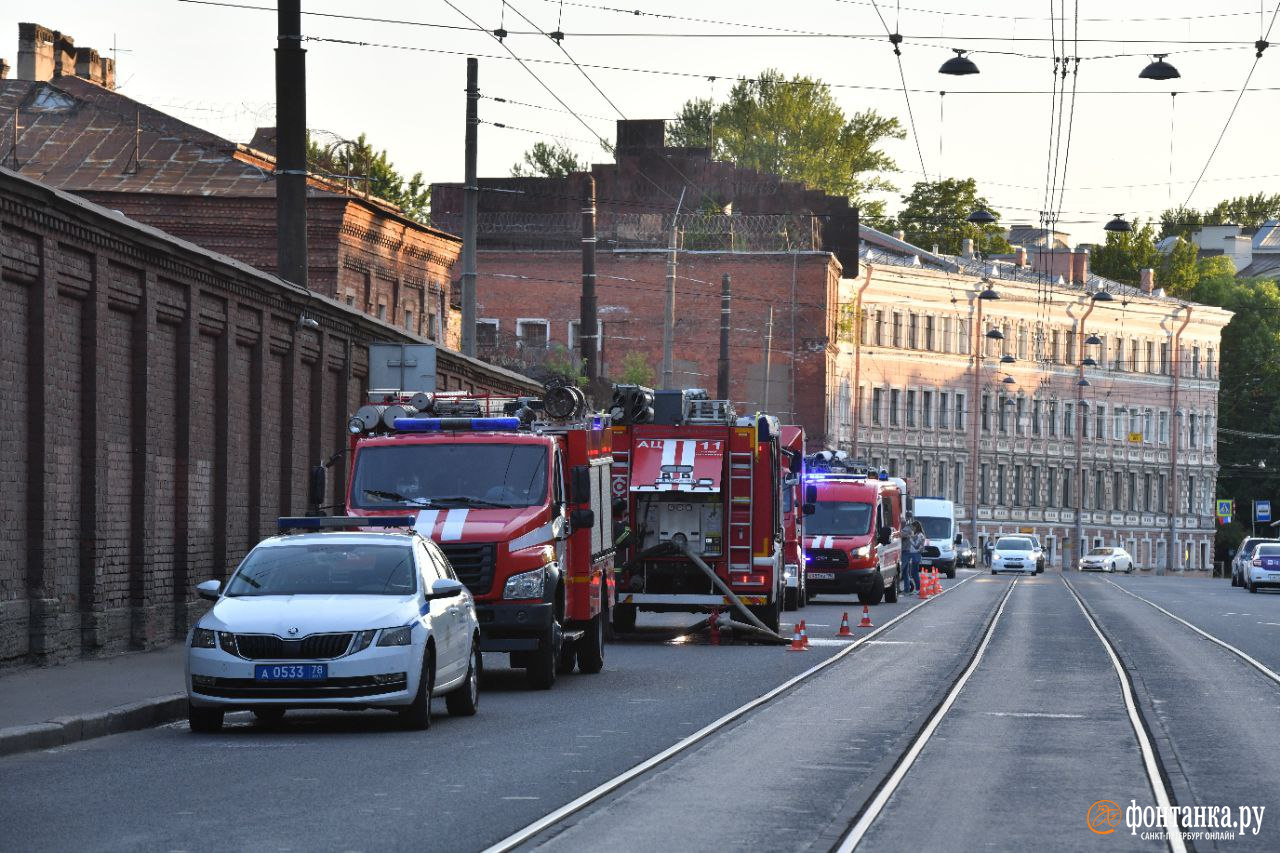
(853, 542)
(703, 489)
(516, 493)
(796, 595)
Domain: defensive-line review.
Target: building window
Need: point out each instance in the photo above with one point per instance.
(408, 321)
(960, 412)
(944, 416)
(911, 407)
(926, 409)
(864, 329)
(897, 330)
(1053, 346)
(1071, 348)
(574, 325)
(1208, 363)
(925, 472)
(1052, 483)
(966, 340)
(382, 311)
(1146, 493)
(1151, 357)
(1100, 422)
(1133, 492)
(1098, 490)
(1035, 416)
(957, 482)
(928, 333)
(1162, 492)
(1002, 415)
(1119, 354)
(1068, 420)
(879, 328)
(533, 334)
(486, 333)
(982, 483)
(1116, 496)
(1022, 343)
(1117, 425)
(1019, 413)
(432, 332)
(1195, 362)
(913, 330)
(351, 300)
(877, 405)
(1133, 356)
(895, 401)
(1148, 421)
(1163, 426)
(947, 344)
(1084, 419)
(1017, 485)
(986, 412)
(1000, 495)
(893, 466)
(909, 468)
(1066, 487)
(1191, 490)
(1191, 429)
(1053, 418)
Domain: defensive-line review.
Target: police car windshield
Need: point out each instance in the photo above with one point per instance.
(935, 527)
(464, 475)
(839, 518)
(326, 568)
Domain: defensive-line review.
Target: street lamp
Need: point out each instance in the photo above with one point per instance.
(959, 65)
(1118, 225)
(987, 294)
(1158, 69)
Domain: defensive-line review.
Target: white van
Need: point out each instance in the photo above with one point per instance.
(938, 518)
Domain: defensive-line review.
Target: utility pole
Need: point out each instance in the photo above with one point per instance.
(768, 349)
(589, 316)
(291, 135)
(669, 313)
(470, 210)
(722, 369)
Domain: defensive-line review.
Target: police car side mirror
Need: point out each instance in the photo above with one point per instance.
(582, 519)
(209, 590)
(444, 588)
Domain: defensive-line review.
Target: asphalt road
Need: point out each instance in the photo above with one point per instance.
(1037, 734)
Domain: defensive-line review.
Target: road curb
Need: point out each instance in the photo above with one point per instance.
(64, 730)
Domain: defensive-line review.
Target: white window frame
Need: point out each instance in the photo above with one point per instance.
(521, 321)
(572, 337)
(489, 321)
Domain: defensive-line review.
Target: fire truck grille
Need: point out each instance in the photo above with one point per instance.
(270, 647)
(473, 563)
(828, 558)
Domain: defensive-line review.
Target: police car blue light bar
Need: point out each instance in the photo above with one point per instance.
(343, 522)
(462, 424)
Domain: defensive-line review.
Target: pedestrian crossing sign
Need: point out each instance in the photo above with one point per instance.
(1225, 510)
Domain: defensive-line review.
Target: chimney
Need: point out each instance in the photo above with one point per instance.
(35, 53)
(4, 69)
(1020, 255)
(1080, 266)
(636, 136)
(89, 65)
(108, 72)
(966, 247)
(1147, 279)
(64, 55)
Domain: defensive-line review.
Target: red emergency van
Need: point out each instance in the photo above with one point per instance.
(853, 536)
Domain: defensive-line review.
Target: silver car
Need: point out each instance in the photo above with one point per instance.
(1015, 554)
(1107, 559)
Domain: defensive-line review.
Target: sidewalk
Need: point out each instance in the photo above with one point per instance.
(43, 707)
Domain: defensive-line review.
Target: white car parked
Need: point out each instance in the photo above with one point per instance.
(336, 617)
(1015, 554)
(1106, 559)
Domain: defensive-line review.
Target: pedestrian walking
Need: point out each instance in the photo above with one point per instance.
(988, 550)
(912, 547)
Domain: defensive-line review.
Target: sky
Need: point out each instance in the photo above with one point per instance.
(212, 65)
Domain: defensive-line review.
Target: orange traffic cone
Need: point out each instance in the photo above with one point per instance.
(804, 634)
(844, 626)
(923, 583)
(797, 642)
(935, 586)
(866, 618)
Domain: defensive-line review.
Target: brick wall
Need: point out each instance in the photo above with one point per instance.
(162, 409)
(631, 285)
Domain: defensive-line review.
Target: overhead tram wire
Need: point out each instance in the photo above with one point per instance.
(1071, 115)
(737, 78)
(1261, 45)
(895, 39)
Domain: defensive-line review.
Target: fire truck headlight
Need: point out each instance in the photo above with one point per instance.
(355, 426)
(524, 585)
(859, 553)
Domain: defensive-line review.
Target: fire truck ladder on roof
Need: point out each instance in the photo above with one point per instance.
(741, 484)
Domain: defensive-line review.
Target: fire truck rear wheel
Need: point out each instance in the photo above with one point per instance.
(591, 646)
(624, 618)
(541, 673)
(770, 615)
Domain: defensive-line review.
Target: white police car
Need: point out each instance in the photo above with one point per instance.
(336, 617)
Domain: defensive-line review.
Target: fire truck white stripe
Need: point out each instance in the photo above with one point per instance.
(427, 522)
(453, 522)
(686, 454)
(668, 451)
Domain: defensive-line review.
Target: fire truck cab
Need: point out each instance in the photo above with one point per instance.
(516, 493)
(704, 491)
(853, 535)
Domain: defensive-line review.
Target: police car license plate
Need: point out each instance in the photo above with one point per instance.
(822, 576)
(291, 672)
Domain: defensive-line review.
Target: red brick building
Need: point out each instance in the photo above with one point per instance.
(783, 245)
(75, 132)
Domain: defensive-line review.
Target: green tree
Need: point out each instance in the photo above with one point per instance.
(1181, 222)
(372, 173)
(636, 370)
(1247, 211)
(1126, 253)
(795, 129)
(548, 160)
(936, 212)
